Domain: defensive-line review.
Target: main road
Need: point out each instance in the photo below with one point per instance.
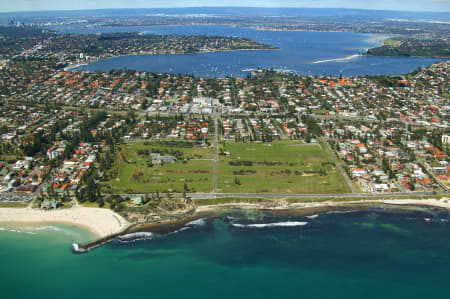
(338, 165)
(216, 144)
(312, 196)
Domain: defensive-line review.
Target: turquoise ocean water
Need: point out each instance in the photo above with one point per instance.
(363, 254)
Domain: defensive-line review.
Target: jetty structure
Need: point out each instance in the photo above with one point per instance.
(131, 230)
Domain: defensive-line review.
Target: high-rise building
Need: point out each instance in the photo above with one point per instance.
(445, 139)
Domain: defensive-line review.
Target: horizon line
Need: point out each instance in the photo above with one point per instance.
(264, 7)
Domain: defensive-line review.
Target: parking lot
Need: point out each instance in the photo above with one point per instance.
(16, 198)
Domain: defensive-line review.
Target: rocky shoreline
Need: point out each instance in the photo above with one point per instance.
(157, 228)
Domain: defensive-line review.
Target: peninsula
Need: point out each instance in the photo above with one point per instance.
(82, 48)
(409, 47)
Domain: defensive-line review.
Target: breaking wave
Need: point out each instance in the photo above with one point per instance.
(148, 235)
(313, 216)
(32, 229)
(274, 224)
(135, 236)
(16, 231)
(198, 222)
(39, 228)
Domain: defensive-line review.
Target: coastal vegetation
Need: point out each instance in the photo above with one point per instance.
(409, 47)
(13, 204)
(231, 200)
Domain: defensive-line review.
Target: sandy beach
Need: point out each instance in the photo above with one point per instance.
(104, 222)
(101, 222)
(337, 59)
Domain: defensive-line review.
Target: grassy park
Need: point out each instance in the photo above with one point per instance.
(278, 167)
(131, 171)
(390, 42)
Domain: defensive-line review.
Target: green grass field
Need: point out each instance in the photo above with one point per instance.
(130, 172)
(13, 204)
(279, 167)
(390, 42)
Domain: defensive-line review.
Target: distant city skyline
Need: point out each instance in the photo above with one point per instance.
(42, 5)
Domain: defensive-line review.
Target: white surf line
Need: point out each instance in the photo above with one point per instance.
(275, 224)
(337, 59)
(198, 222)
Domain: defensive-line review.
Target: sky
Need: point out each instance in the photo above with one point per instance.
(408, 5)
